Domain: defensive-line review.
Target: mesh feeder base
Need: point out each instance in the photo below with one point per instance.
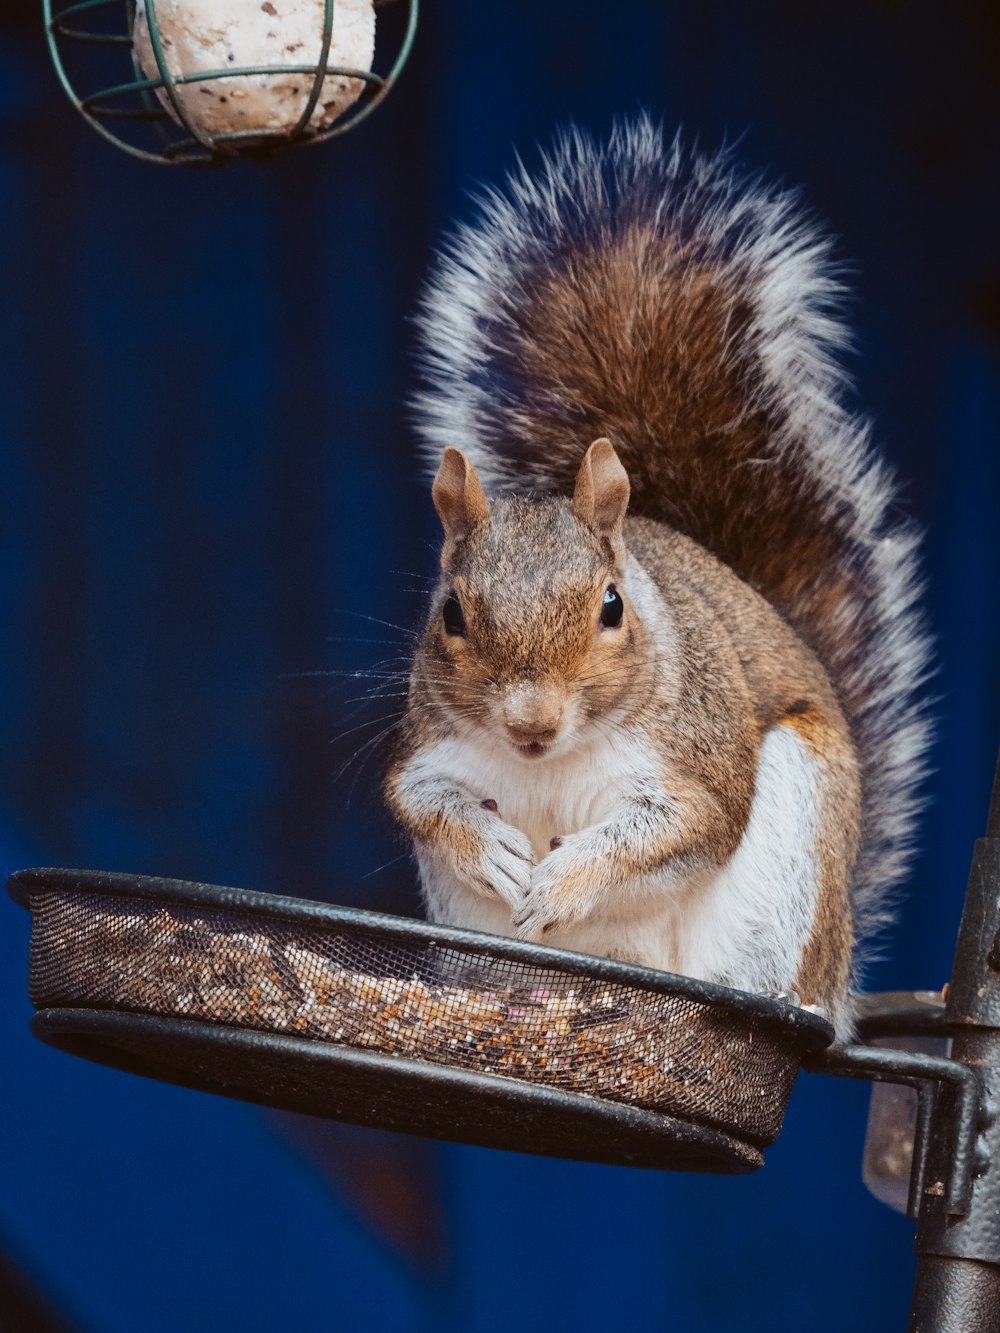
(403, 1025)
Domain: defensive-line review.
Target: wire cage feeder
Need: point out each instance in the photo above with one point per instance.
(144, 102)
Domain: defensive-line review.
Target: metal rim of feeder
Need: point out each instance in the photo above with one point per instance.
(409, 1025)
(201, 147)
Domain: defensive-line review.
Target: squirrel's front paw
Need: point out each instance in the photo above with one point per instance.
(503, 864)
(564, 889)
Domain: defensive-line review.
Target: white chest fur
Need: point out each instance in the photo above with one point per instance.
(550, 797)
(745, 924)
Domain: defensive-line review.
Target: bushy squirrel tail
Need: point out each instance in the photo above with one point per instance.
(649, 294)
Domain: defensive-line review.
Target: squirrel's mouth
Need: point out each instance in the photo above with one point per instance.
(533, 749)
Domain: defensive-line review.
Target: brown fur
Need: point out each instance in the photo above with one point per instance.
(676, 395)
(668, 371)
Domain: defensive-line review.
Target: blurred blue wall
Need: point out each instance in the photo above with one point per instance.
(208, 484)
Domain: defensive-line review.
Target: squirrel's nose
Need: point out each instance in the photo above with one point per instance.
(532, 714)
(531, 735)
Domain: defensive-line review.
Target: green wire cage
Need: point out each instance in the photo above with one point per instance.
(172, 82)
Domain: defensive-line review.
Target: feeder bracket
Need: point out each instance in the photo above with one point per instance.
(931, 1076)
(957, 1136)
(958, 1275)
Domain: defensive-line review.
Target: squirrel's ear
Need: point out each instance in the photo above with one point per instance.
(458, 498)
(600, 497)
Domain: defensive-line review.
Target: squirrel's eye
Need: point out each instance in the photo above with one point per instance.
(612, 608)
(454, 621)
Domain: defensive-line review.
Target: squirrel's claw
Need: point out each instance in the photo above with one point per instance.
(506, 864)
(528, 925)
(562, 891)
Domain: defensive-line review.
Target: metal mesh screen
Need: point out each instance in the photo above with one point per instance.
(560, 1028)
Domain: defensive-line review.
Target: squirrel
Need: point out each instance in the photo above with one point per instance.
(665, 707)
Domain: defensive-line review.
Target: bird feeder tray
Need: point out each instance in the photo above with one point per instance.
(404, 1025)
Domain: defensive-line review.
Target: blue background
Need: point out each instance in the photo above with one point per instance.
(208, 481)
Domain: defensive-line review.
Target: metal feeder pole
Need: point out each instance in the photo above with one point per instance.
(958, 1267)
